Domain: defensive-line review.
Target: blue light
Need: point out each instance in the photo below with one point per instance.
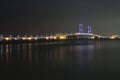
(89, 29)
(1, 36)
(81, 28)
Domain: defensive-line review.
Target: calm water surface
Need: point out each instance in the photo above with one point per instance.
(60, 62)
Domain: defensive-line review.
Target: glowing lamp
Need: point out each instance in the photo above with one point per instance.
(46, 38)
(112, 37)
(62, 37)
(23, 38)
(93, 37)
(16, 38)
(99, 36)
(54, 37)
(51, 37)
(7, 38)
(35, 38)
(29, 38)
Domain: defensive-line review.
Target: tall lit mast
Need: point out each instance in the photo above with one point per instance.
(81, 28)
(89, 29)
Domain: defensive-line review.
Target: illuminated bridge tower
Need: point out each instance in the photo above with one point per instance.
(89, 29)
(81, 28)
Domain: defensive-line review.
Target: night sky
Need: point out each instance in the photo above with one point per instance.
(59, 16)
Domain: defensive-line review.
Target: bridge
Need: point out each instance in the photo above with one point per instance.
(81, 34)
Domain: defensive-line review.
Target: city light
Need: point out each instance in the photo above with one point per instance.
(62, 37)
(59, 36)
(35, 38)
(46, 38)
(7, 38)
(16, 38)
(55, 37)
(29, 38)
(51, 37)
(93, 37)
(114, 36)
(23, 38)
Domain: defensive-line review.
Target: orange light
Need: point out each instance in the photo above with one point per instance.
(24, 38)
(46, 38)
(7, 38)
(93, 37)
(29, 38)
(51, 37)
(99, 36)
(112, 37)
(62, 37)
(16, 38)
(35, 38)
(54, 37)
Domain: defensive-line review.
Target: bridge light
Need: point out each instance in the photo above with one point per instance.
(16, 38)
(112, 37)
(23, 38)
(62, 37)
(29, 38)
(7, 38)
(54, 37)
(46, 38)
(35, 38)
(93, 37)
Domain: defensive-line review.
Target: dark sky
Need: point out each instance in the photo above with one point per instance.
(59, 16)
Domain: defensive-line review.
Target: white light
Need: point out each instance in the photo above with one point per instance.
(16, 38)
(29, 38)
(7, 38)
(35, 38)
(46, 38)
(24, 38)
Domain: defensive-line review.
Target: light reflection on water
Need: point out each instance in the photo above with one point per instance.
(62, 61)
(1, 51)
(47, 54)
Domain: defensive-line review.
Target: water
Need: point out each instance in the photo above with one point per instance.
(60, 62)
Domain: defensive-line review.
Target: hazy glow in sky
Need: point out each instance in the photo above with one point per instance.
(59, 16)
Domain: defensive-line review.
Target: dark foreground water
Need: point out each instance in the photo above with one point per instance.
(97, 61)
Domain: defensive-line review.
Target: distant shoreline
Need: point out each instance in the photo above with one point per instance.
(67, 41)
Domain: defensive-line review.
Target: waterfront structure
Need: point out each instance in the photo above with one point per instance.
(81, 30)
(81, 34)
(89, 29)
